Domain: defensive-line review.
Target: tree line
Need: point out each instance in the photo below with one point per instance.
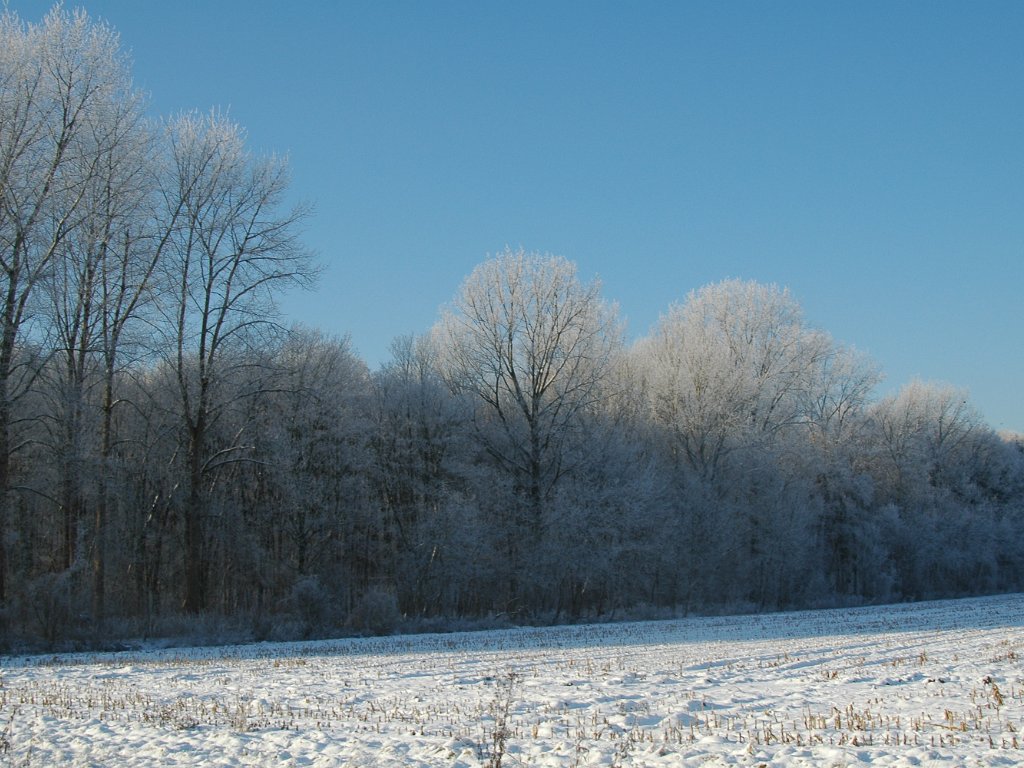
(171, 453)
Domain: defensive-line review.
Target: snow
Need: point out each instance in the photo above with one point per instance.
(929, 684)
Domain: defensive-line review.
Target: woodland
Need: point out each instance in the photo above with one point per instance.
(176, 460)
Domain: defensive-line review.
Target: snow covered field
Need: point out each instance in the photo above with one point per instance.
(938, 684)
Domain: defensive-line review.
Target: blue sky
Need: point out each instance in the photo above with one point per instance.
(867, 155)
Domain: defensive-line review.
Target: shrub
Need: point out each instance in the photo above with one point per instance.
(48, 605)
(376, 613)
(311, 604)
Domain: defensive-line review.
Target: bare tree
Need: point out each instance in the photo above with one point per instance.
(924, 435)
(61, 84)
(532, 345)
(729, 370)
(100, 282)
(420, 450)
(839, 395)
(313, 431)
(134, 234)
(233, 253)
(728, 378)
(835, 405)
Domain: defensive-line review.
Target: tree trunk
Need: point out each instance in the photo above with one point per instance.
(6, 361)
(99, 543)
(195, 567)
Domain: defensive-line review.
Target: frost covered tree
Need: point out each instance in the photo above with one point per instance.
(100, 286)
(728, 371)
(421, 450)
(731, 378)
(531, 344)
(285, 501)
(930, 456)
(233, 253)
(312, 438)
(607, 550)
(834, 407)
(69, 117)
(924, 437)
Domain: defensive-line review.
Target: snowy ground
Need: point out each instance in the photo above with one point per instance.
(934, 684)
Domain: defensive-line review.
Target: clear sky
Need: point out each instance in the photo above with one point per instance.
(867, 155)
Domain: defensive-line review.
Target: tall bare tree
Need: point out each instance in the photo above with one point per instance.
(233, 253)
(531, 344)
(62, 83)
